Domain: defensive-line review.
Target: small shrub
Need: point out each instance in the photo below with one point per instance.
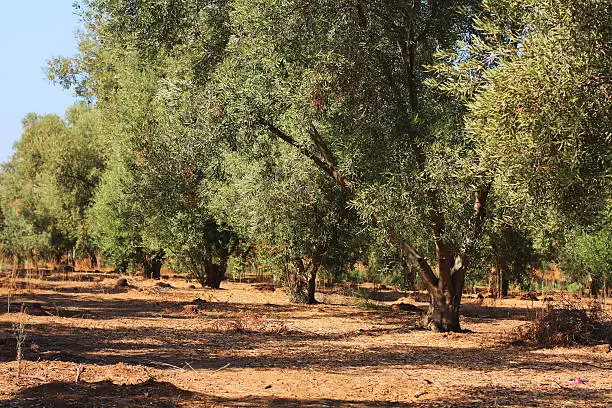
(21, 334)
(567, 324)
(574, 287)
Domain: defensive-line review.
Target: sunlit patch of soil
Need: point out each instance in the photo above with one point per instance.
(242, 346)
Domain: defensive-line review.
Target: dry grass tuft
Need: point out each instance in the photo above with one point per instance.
(566, 324)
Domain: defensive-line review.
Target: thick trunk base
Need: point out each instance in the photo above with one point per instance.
(214, 272)
(594, 289)
(301, 286)
(214, 277)
(442, 316)
(312, 282)
(152, 267)
(505, 285)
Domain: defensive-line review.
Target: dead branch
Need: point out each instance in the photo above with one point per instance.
(222, 368)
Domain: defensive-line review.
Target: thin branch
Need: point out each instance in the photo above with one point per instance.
(167, 365)
(321, 145)
(480, 204)
(324, 165)
(302, 149)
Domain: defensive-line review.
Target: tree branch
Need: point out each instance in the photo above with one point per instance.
(326, 164)
(438, 224)
(480, 204)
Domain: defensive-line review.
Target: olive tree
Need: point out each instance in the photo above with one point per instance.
(48, 185)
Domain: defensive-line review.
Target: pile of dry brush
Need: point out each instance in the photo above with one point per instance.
(567, 324)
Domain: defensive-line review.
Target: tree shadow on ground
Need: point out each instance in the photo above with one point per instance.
(548, 395)
(67, 305)
(166, 395)
(56, 303)
(96, 289)
(490, 313)
(383, 295)
(208, 345)
(243, 335)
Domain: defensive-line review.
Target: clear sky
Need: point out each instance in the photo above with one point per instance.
(32, 32)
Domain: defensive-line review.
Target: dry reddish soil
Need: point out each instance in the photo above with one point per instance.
(91, 345)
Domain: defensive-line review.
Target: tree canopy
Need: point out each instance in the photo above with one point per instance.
(452, 131)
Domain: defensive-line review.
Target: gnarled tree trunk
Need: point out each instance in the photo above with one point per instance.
(152, 266)
(214, 276)
(214, 272)
(505, 284)
(445, 293)
(147, 270)
(303, 285)
(315, 264)
(312, 283)
(156, 264)
(443, 313)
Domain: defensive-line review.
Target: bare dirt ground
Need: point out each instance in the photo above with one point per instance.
(91, 345)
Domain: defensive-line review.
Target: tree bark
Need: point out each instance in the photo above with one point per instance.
(445, 299)
(213, 276)
(594, 289)
(302, 284)
(314, 266)
(151, 267)
(147, 269)
(296, 282)
(443, 313)
(312, 282)
(502, 281)
(505, 284)
(156, 265)
(215, 272)
(93, 261)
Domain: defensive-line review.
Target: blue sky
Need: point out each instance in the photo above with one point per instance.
(31, 32)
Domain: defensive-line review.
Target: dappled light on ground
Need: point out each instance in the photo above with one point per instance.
(241, 347)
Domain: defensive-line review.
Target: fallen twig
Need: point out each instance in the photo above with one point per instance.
(79, 370)
(293, 327)
(167, 365)
(222, 368)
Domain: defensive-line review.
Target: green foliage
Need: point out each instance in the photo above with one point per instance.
(357, 90)
(587, 256)
(324, 131)
(273, 198)
(48, 185)
(535, 79)
(115, 219)
(146, 64)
